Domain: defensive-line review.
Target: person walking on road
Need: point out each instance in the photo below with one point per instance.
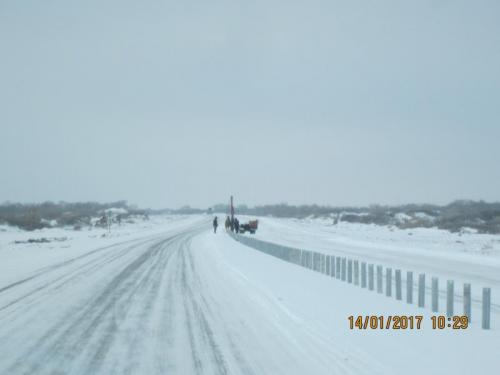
(236, 225)
(215, 224)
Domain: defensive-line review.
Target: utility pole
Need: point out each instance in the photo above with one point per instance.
(232, 210)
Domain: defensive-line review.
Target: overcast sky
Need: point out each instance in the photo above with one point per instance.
(166, 103)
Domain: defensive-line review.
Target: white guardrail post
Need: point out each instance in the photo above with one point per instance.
(349, 271)
(449, 298)
(409, 287)
(421, 290)
(379, 279)
(435, 294)
(467, 301)
(356, 272)
(363, 274)
(371, 277)
(399, 294)
(388, 282)
(486, 308)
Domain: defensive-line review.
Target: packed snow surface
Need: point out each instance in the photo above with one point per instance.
(169, 296)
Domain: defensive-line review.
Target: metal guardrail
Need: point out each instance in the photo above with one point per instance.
(363, 274)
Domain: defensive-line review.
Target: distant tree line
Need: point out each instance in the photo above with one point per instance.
(41, 215)
(479, 215)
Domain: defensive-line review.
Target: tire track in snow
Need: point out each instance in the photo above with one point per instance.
(196, 316)
(73, 335)
(67, 276)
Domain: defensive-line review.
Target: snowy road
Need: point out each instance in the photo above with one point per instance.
(165, 304)
(181, 300)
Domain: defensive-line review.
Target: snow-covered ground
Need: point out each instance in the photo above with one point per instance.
(65, 243)
(474, 247)
(462, 257)
(170, 297)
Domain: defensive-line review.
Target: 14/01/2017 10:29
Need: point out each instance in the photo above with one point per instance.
(406, 322)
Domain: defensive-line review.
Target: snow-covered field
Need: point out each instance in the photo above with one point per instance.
(462, 257)
(65, 243)
(168, 296)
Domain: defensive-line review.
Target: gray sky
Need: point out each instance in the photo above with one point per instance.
(165, 103)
